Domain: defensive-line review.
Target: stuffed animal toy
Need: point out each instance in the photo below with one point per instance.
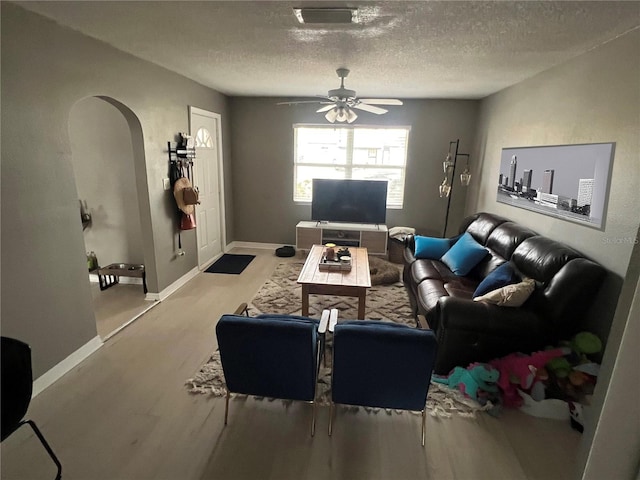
(518, 371)
(472, 381)
(573, 377)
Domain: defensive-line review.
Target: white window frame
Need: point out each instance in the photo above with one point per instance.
(349, 160)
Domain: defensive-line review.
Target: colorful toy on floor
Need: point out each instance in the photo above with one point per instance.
(518, 371)
(574, 376)
(475, 381)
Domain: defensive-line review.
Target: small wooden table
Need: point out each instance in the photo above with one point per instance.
(110, 275)
(352, 283)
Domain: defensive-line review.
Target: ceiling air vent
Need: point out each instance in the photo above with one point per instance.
(326, 15)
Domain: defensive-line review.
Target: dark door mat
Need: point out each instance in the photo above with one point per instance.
(231, 264)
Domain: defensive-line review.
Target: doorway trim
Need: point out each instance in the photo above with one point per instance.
(220, 166)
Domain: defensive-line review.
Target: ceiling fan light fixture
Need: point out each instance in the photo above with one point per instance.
(332, 115)
(342, 115)
(327, 15)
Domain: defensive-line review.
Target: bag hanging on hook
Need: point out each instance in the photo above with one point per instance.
(187, 221)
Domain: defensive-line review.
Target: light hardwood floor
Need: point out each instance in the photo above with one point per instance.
(117, 306)
(124, 413)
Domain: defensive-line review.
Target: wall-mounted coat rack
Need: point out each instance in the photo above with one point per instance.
(181, 157)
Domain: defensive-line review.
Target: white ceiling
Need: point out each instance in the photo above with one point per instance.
(425, 49)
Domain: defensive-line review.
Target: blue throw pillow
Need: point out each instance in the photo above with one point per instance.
(431, 247)
(501, 277)
(464, 255)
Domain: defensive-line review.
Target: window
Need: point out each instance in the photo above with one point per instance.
(203, 138)
(359, 153)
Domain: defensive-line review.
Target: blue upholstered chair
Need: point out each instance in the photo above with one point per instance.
(381, 364)
(275, 356)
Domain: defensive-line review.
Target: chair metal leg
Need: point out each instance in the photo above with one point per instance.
(423, 426)
(226, 407)
(313, 418)
(331, 404)
(45, 444)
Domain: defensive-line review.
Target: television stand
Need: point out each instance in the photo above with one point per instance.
(373, 237)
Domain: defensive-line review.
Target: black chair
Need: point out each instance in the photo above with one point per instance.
(17, 384)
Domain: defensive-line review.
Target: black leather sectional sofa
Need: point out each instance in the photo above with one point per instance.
(468, 331)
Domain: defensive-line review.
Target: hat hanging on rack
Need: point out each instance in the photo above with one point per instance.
(178, 194)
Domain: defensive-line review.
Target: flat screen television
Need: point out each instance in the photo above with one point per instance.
(352, 201)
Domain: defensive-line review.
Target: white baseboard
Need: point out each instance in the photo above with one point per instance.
(124, 325)
(263, 246)
(174, 286)
(46, 379)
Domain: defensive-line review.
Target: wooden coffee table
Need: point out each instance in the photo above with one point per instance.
(352, 283)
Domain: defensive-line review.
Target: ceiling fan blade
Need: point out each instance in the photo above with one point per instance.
(370, 108)
(326, 108)
(381, 101)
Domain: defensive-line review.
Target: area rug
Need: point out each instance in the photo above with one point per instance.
(282, 294)
(231, 264)
(441, 400)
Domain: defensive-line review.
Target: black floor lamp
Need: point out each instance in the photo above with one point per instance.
(449, 166)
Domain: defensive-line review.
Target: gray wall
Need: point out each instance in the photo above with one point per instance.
(262, 144)
(593, 98)
(613, 449)
(103, 164)
(46, 69)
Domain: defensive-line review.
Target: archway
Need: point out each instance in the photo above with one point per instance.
(106, 146)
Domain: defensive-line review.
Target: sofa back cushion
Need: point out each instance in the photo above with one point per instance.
(505, 238)
(541, 258)
(483, 225)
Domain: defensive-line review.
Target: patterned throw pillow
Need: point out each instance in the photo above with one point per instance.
(511, 295)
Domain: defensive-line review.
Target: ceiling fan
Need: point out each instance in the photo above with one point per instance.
(339, 103)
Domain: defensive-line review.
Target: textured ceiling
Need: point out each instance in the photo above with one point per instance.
(427, 49)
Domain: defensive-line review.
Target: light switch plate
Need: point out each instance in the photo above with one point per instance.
(166, 184)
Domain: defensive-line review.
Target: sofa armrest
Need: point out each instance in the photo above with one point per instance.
(409, 249)
(481, 317)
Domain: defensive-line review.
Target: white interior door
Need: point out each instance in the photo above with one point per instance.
(205, 128)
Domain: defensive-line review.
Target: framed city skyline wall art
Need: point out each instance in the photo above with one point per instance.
(570, 182)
